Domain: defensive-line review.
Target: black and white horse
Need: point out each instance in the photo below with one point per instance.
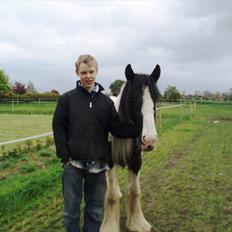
(136, 101)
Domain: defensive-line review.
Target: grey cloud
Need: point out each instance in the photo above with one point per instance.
(190, 40)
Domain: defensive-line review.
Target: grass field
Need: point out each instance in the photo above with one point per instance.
(186, 181)
(20, 126)
(39, 108)
(28, 108)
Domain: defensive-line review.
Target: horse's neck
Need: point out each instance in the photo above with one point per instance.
(117, 99)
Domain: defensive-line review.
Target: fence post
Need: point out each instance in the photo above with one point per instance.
(160, 119)
(191, 110)
(180, 111)
(194, 106)
(12, 105)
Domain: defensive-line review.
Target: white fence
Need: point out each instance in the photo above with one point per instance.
(26, 138)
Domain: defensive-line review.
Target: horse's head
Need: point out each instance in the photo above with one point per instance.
(141, 98)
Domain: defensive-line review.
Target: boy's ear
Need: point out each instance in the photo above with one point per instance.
(76, 72)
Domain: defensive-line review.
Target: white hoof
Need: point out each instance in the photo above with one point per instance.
(139, 225)
(110, 227)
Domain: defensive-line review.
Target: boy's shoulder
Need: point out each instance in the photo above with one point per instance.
(66, 95)
(70, 92)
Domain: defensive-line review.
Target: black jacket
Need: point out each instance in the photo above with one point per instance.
(81, 124)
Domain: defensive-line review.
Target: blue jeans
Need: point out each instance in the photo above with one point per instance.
(93, 185)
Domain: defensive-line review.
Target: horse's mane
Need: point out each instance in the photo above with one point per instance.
(132, 94)
(131, 98)
(125, 104)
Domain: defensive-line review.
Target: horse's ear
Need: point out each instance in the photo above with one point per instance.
(156, 73)
(129, 73)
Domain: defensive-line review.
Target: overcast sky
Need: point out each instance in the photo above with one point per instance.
(191, 40)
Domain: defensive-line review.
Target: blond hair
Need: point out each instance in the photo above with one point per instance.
(87, 59)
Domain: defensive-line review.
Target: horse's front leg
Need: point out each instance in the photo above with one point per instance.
(135, 218)
(110, 221)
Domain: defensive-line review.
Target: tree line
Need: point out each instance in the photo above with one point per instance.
(21, 90)
(172, 94)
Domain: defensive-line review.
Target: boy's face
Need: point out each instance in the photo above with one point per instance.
(87, 74)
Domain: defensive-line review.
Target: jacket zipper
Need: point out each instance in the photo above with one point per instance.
(91, 98)
(90, 107)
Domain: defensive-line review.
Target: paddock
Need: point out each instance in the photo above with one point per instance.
(186, 180)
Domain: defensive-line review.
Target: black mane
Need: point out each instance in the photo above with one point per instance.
(132, 97)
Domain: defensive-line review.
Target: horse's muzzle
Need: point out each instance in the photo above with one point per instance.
(147, 148)
(148, 145)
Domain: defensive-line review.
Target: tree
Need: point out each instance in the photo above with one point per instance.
(19, 88)
(207, 95)
(171, 93)
(31, 88)
(4, 82)
(183, 95)
(116, 86)
(197, 94)
(230, 94)
(217, 96)
(54, 91)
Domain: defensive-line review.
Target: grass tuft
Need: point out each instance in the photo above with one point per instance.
(47, 152)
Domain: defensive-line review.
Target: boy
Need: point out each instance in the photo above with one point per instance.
(82, 121)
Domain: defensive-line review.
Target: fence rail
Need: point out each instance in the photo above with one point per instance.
(168, 107)
(26, 138)
(27, 100)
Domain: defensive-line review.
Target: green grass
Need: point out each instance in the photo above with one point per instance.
(46, 152)
(185, 181)
(28, 108)
(189, 185)
(20, 126)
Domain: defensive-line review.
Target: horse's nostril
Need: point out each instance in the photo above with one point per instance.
(148, 140)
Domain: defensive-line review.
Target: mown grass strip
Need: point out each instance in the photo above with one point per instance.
(21, 126)
(28, 108)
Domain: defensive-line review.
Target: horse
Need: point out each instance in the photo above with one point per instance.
(136, 101)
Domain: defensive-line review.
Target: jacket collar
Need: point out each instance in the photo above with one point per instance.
(97, 87)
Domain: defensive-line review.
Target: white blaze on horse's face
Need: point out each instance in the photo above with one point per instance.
(149, 134)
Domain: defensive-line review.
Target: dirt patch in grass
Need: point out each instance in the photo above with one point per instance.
(175, 159)
(222, 119)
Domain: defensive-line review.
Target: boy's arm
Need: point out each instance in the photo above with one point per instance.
(123, 130)
(59, 126)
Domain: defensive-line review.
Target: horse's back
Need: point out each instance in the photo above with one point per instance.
(116, 101)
